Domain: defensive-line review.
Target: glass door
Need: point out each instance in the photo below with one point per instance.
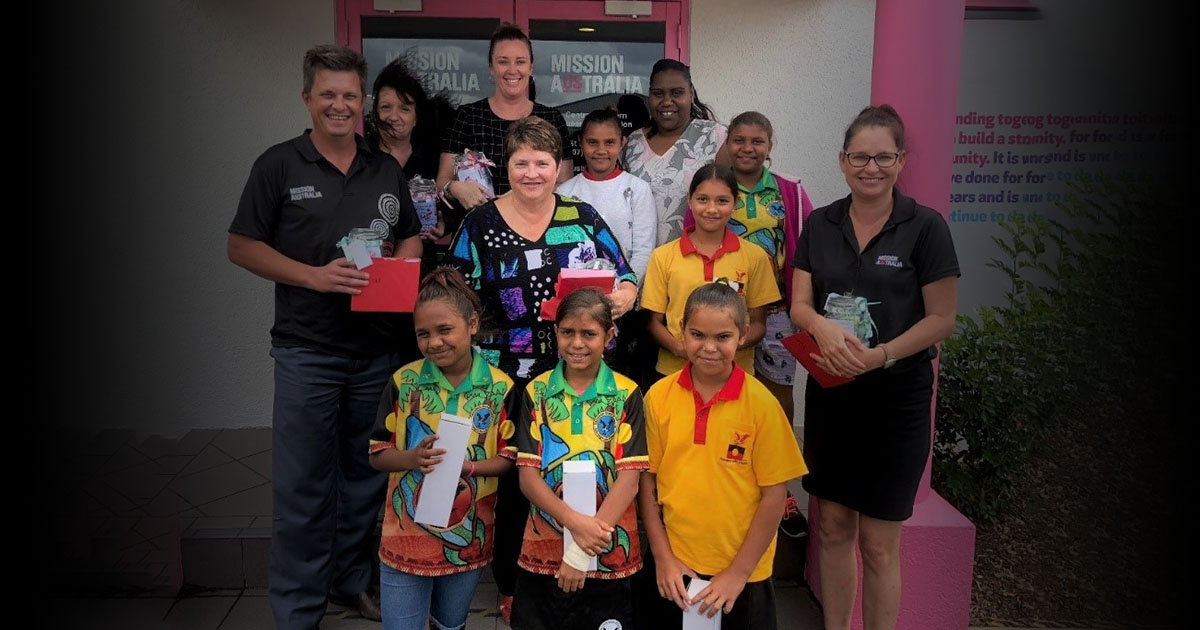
(446, 41)
(586, 59)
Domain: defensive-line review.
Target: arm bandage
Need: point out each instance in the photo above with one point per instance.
(576, 558)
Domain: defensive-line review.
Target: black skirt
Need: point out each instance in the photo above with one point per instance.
(866, 442)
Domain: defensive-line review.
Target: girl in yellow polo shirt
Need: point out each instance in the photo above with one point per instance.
(426, 572)
(721, 452)
(580, 410)
(707, 252)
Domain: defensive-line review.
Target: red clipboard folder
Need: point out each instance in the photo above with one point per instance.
(392, 287)
(801, 345)
(574, 279)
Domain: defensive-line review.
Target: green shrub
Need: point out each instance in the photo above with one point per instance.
(1072, 323)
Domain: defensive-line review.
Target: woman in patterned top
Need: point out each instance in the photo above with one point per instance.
(480, 126)
(680, 139)
(511, 249)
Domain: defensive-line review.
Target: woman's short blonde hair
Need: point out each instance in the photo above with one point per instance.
(532, 132)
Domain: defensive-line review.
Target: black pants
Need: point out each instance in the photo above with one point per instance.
(636, 351)
(601, 604)
(512, 512)
(650, 610)
(754, 609)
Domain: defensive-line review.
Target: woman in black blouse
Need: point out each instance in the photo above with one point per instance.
(407, 122)
(876, 283)
(480, 126)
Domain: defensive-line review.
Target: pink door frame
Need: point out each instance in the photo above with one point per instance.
(916, 68)
(351, 12)
(672, 13)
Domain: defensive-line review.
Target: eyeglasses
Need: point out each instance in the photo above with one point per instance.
(884, 160)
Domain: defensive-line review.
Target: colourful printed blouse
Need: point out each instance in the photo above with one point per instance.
(514, 275)
(759, 218)
(605, 423)
(409, 411)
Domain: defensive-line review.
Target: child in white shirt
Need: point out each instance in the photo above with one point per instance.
(624, 201)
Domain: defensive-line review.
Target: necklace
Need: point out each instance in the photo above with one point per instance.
(865, 231)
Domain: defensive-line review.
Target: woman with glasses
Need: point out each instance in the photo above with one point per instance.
(876, 284)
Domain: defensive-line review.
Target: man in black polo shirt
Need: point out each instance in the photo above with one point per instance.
(331, 364)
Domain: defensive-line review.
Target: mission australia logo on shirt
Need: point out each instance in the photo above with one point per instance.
(889, 261)
(304, 192)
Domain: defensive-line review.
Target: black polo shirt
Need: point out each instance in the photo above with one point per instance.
(297, 202)
(912, 250)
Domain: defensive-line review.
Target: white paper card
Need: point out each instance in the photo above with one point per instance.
(357, 251)
(440, 486)
(692, 619)
(579, 493)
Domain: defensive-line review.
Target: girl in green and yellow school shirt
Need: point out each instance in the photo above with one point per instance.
(769, 213)
(430, 571)
(580, 410)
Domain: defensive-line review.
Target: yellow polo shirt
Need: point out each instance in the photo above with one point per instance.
(712, 460)
(676, 269)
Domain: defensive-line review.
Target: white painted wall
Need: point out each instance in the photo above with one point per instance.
(186, 95)
(811, 59)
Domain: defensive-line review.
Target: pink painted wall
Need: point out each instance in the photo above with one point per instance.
(937, 553)
(916, 67)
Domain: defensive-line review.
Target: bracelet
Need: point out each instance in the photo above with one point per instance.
(888, 361)
(576, 558)
(472, 473)
(446, 188)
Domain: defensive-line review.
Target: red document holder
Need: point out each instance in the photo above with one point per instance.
(574, 279)
(801, 345)
(392, 288)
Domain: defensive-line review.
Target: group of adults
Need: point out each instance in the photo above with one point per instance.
(866, 442)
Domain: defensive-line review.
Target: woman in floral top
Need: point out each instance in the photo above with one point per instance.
(681, 138)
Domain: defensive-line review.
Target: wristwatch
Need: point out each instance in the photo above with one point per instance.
(888, 359)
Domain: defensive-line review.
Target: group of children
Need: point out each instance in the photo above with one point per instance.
(741, 229)
(706, 452)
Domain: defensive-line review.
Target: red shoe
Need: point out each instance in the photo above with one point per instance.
(793, 524)
(506, 608)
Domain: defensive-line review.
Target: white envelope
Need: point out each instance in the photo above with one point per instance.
(440, 486)
(692, 619)
(358, 253)
(579, 493)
